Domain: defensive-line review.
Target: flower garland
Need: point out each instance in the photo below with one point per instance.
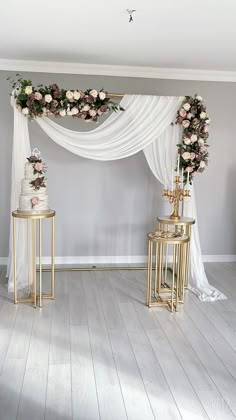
(39, 170)
(193, 150)
(49, 100)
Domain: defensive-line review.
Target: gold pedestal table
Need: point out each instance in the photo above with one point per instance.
(34, 234)
(158, 287)
(183, 225)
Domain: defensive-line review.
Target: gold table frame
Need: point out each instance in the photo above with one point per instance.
(34, 219)
(185, 223)
(158, 273)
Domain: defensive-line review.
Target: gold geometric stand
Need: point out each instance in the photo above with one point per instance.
(182, 225)
(161, 290)
(34, 225)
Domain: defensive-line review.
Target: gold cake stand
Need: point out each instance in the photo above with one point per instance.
(34, 224)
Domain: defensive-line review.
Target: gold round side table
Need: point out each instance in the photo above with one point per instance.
(157, 274)
(34, 221)
(183, 225)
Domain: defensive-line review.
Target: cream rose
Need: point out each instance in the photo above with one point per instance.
(25, 111)
(208, 121)
(199, 98)
(186, 155)
(187, 140)
(74, 111)
(102, 95)
(201, 142)
(69, 112)
(76, 95)
(185, 123)
(93, 93)
(203, 115)
(193, 138)
(62, 112)
(86, 108)
(202, 164)
(189, 115)
(48, 98)
(69, 95)
(192, 155)
(187, 106)
(28, 90)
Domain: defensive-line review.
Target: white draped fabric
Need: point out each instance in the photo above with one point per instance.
(145, 125)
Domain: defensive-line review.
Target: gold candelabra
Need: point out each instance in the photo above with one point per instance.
(176, 195)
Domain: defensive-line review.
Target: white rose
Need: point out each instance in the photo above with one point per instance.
(208, 121)
(25, 111)
(86, 108)
(28, 90)
(202, 164)
(93, 93)
(189, 115)
(69, 112)
(48, 98)
(74, 111)
(186, 155)
(187, 141)
(102, 95)
(187, 106)
(92, 112)
(76, 95)
(62, 112)
(69, 95)
(199, 98)
(200, 142)
(203, 115)
(193, 138)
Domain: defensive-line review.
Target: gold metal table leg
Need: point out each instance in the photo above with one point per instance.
(53, 258)
(34, 261)
(28, 254)
(14, 259)
(40, 263)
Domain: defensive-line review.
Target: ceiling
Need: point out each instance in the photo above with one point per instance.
(172, 34)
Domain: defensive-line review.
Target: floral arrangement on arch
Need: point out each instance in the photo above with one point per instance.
(38, 101)
(193, 150)
(38, 169)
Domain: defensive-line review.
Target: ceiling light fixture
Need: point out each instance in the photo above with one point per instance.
(130, 12)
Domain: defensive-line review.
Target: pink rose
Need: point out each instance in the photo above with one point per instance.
(190, 115)
(185, 123)
(189, 169)
(206, 129)
(182, 112)
(38, 166)
(35, 201)
(92, 113)
(203, 149)
(186, 155)
(192, 155)
(38, 96)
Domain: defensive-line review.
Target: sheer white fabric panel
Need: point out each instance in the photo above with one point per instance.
(145, 125)
(160, 156)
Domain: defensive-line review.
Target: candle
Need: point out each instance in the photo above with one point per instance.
(178, 165)
(182, 178)
(187, 179)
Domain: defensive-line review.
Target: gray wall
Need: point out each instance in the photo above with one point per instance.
(106, 208)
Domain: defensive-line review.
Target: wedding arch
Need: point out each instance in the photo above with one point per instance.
(147, 125)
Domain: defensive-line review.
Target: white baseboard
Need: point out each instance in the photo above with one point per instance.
(121, 259)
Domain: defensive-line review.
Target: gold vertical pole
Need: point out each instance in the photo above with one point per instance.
(188, 232)
(53, 258)
(34, 260)
(156, 286)
(148, 274)
(40, 263)
(177, 275)
(173, 278)
(160, 266)
(166, 264)
(14, 259)
(28, 253)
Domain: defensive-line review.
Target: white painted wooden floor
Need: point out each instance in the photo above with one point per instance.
(98, 352)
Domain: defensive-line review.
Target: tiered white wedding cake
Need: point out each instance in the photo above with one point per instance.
(33, 197)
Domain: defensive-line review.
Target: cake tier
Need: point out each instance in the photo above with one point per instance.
(27, 188)
(25, 203)
(29, 171)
